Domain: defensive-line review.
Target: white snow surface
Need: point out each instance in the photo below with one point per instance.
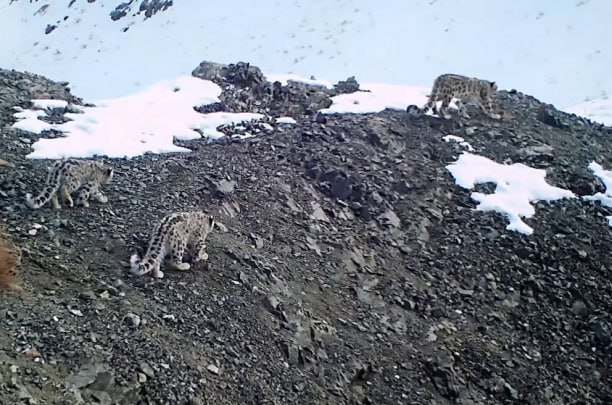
(604, 198)
(517, 186)
(132, 125)
(49, 103)
(29, 120)
(375, 97)
(459, 140)
(286, 120)
(599, 110)
(330, 39)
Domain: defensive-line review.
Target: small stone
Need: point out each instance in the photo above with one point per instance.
(602, 334)
(512, 300)
(341, 188)
(6, 163)
(146, 369)
(32, 353)
(320, 118)
(511, 391)
(292, 354)
(142, 378)
(24, 394)
(470, 131)
(104, 380)
(258, 241)
(213, 369)
(102, 397)
(133, 319)
(318, 213)
(87, 295)
(579, 308)
(466, 292)
(390, 218)
(402, 187)
(272, 302)
(363, 296)
(226, 187)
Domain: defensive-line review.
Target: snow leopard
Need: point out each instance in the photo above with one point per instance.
(465, 90)
(69, 175)
(171, 237)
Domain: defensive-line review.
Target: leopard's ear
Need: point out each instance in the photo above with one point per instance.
(492, 84)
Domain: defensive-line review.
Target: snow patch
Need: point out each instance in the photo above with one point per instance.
(377, 98)
(459, 140)
(286, 120)
(43, 103)
(604, 198)
(517, 186)
(28, 120)
(132, 125)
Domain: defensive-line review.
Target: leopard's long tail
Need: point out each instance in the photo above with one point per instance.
(140, 267)
(155, 251)
(53, 183)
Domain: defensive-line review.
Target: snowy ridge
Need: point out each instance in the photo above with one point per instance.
(149, 120)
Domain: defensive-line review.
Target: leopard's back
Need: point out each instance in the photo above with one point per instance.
(449, 86)
(462, 87)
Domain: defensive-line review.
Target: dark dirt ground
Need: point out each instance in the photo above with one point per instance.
(351, 271)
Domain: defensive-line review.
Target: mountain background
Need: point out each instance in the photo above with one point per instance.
(556, 51)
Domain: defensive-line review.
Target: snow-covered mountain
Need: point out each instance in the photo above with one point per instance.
(113, 48)
(598, 110)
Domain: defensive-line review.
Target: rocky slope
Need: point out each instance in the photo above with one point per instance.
(350, 269)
